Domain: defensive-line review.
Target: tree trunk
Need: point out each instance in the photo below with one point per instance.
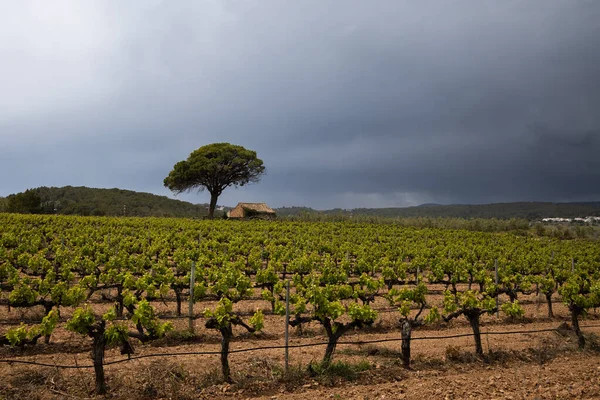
(330, 350)
(549, 302)
(575, 321)
(271, 288)
(332, 342)
(140, 328)
(119, 305)
(406, 334)
(299, 326)
(213, 204)
(47, 308)
(178, 298)
(98, 356)
(474, 321)
(226, 334)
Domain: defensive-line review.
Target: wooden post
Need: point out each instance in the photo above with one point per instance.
(191, 306)
(497, 302)
(572, 265)
(417, 275)
(287, 325)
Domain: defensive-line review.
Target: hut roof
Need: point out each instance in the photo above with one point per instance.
(258, 207)
(261, 208)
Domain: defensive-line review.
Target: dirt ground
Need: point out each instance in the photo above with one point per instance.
(518, 366)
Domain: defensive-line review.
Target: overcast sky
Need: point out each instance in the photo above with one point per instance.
(348, 103)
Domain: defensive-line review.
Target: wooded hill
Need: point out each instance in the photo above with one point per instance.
(113, 202)
(521, 210)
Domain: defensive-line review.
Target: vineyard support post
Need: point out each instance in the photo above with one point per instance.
(287, 325)
(497, 302)
(191, 306)
(417, 279)
(572, 265)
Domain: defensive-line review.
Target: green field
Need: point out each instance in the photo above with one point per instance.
(103, 277)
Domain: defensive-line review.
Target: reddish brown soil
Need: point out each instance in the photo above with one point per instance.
(541, 365)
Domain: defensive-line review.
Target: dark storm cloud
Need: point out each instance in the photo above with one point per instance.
(349, 104)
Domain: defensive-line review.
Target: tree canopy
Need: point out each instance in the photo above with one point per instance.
(28, 202)
(215, 167)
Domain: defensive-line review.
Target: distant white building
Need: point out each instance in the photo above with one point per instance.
(586, 220)
(556, 219)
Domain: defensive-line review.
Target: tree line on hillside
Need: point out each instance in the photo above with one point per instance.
(531, 211)
(71, 200)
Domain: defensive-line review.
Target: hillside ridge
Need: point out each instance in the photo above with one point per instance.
(83, 200)
(523, 210)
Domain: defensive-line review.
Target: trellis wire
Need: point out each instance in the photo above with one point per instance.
(250, 349)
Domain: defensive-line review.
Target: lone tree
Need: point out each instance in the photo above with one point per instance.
(214, 167)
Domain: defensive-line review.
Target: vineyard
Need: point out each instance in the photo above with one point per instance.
(128, 288)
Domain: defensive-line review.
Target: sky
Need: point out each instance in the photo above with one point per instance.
(348, 103)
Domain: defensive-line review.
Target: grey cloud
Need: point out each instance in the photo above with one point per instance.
(349, 104)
